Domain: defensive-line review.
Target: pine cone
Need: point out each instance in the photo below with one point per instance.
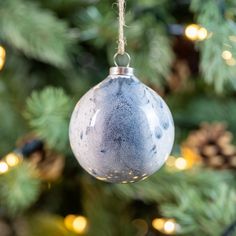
(178, 77)
(48, 163)
(212, 143)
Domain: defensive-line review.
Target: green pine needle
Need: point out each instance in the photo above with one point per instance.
(197, 215)
(155, 188)
(34, 31)
(50, 225)
(215, 69)
(19, 189)
(202, 201)
(204, 108)
(48, 113)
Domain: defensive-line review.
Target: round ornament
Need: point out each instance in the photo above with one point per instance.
(121, 131)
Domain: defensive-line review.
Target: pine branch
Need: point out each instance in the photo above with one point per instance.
(104, 213)
(204, 108)
(167, 183)
(215, 68)
(18, 189)
(12, 100)
(47, 224)
(34, 31)
(151, 53)
(202, 201)
(202, 216)
(48, 114)
(159, 57)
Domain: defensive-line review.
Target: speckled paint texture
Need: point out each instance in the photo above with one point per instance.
(121, 131)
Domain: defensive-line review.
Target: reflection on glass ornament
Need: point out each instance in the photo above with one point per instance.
(121, 131)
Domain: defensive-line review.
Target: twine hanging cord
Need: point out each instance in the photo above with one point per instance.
(121, 40)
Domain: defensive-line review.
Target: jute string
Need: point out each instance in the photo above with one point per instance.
(121, 40)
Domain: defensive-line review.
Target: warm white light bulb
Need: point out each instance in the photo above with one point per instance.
(12, 159)
(3, 167)
(202, 33)
(180, 163)
(227, 55)
(169, 227)
(2, 57)
(79, 224)
(191, 32)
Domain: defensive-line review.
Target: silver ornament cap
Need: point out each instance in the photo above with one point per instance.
(121, 131)
(119, 70)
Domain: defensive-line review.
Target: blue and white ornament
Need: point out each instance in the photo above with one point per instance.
(121, 131)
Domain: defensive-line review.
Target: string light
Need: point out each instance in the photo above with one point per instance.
(167, 226)
(80, 224)
(158, 223)
(9, 161)
(202, 33)
(3, 167)
(192, 158)
(227, 55)
(191, 32)
(187, 160)
(2, 57)
(195, 32)
(68, 221)
(181, 163)
(77, 224)
(13, 159)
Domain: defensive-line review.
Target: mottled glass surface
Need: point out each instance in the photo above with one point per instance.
(121, 131)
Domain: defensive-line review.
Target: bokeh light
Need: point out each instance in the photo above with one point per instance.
(167, 226)
(202, 33)
(181, 163)
(77, 224)
(2, 57)
(227, 55)
(12, 159)
(191, 32)
(3, 167)
(195, 32)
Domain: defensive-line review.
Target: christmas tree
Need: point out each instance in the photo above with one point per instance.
(52, 52)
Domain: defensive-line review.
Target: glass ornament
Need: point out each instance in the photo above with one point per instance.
(121, 131)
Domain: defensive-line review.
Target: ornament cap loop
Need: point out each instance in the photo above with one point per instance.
(117, 55)
(120, 70)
